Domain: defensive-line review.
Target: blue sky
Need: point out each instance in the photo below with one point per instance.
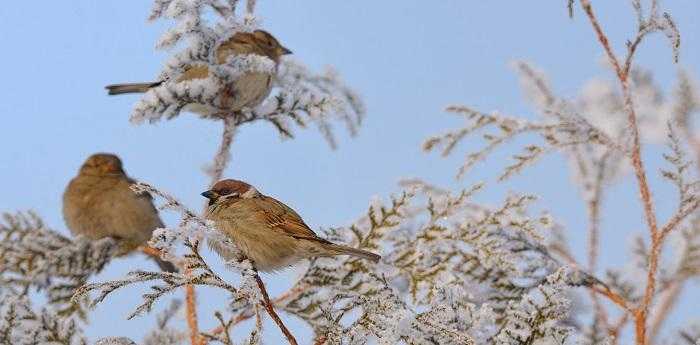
(408, 60)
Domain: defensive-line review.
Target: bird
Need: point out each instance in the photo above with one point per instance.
(248, 90)
(99, 203)
(266, 230)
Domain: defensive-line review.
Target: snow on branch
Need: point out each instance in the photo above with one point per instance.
(188, 234)
(34, 257)
(20, 324)
(687, 190)
(600, 131)
(299, 96)
(306, 97)
(191, 230)
(583, 129)
(442, 246)
(453, 271)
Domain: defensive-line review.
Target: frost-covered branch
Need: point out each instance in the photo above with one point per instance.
(299, 96)
(564, 127)
(585, 130)
(190, 232)
(20, 324)
(441, 244)
(646, 24)
(34, 257)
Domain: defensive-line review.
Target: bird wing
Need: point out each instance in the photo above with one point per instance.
(280, 216)
(146, 204)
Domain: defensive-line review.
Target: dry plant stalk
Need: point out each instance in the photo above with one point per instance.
(191, 305)
(657, 237)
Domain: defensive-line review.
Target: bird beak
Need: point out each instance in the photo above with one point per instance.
(211, 195)
(285, 51)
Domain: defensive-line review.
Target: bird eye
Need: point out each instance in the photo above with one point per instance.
(228, 192)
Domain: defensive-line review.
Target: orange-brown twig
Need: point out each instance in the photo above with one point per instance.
(191, 309)
(150, 251)
(678, 218)
(271, 311)
(249, 312)
(613, 297)
(641, 312)
(586, 4)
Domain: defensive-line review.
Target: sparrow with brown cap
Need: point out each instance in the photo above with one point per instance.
(268, 232)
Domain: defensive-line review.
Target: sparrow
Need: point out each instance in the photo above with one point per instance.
(248, 90)
(99, 203)
(266, 230)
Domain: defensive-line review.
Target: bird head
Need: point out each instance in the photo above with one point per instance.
(102, 164)
(258, 42)
(229, 189)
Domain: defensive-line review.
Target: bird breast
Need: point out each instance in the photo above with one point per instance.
(250, 90)
(99, 207)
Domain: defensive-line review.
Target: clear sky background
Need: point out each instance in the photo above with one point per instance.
(408, 59)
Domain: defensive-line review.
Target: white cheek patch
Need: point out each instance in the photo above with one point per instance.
(250, 193)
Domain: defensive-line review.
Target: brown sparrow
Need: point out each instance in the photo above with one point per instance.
(268, 232)
(99, 203)
(246, 91)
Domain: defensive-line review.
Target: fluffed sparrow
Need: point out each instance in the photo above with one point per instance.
(246, 91)
(266, 230)
(99, 203)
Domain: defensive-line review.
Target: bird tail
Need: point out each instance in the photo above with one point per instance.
(345, 250)
(165, 266)
(118, 89)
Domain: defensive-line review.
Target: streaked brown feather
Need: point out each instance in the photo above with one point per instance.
(269, 232)
(280, 216)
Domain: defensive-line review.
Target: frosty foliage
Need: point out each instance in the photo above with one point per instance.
(587, 129)
(299, 97)
(437, 246)
(191, 230)
(36, 258)
(115, 341)
(453, 270)
(601, 132)
(20, 324)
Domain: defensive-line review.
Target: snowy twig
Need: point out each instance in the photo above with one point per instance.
(622, 72)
